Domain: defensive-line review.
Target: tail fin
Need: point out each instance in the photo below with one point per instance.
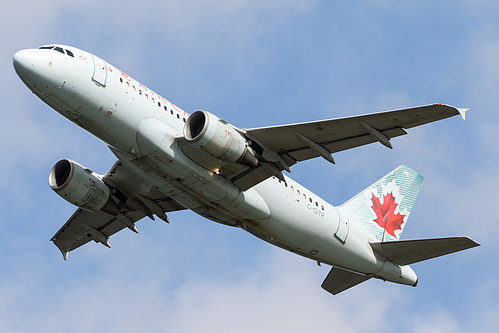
(383, 208)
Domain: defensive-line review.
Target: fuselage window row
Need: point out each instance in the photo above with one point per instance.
(298, 191)
(153, 100)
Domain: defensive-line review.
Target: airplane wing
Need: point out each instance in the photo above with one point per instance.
(137, 200)
(280, 147)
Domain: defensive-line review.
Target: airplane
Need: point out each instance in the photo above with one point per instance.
(169, 160)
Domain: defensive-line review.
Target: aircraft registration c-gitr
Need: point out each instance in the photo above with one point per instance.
(169, 160)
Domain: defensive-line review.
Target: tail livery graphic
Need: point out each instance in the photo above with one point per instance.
(384, 207)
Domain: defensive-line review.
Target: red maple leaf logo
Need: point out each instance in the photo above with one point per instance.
(385, 214)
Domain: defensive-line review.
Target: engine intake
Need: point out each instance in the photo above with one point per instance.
(81, 187)
(218, 138)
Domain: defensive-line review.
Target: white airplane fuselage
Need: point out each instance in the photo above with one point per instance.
(140, 125)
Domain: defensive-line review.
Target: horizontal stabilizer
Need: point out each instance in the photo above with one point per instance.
(339, 280)
(411, 251)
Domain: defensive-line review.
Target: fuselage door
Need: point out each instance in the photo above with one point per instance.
(343, 228)
(100, 71)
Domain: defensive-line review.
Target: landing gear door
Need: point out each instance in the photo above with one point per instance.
(100, 71)
(343, 228)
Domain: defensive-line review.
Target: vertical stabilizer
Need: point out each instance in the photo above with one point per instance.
(384, 207)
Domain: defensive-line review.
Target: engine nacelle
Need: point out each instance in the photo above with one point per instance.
(218, 138)
(81, 187)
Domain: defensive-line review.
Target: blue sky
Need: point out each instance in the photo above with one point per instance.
(257, 63)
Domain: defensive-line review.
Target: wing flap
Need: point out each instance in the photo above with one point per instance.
(408, 252)
(339, 280)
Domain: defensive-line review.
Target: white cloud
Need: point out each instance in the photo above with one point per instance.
(281, 293)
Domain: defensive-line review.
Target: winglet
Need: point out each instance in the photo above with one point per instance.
(63, 250)
(65, 255)
(462, 112)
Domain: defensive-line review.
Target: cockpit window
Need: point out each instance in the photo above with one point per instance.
(58, 49)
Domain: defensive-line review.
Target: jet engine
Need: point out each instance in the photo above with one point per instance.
(218, 138)
(82, 187)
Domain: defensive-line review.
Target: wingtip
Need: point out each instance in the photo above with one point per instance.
(470, 242)
(474, 243)
(462, 112)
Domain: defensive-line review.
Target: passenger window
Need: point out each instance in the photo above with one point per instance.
(166, 109)
(70, 53)
(292, 188)
(310, 199)
(121, 80)
(58, 49)
(178, 116)
(322, 207)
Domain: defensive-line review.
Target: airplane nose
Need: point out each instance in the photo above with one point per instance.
(23, 63)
